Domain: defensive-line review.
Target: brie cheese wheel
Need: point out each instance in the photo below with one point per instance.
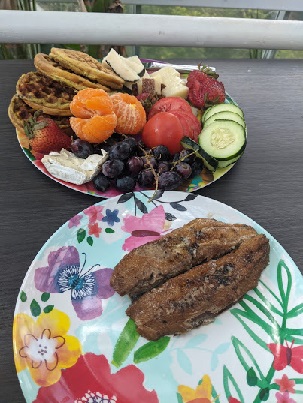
(69, 168)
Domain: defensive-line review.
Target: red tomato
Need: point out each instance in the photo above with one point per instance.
(163, 129)
(190, 123)
(170, 104)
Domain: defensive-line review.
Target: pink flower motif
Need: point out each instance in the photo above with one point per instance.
(75, 221)
(94, 213)
(233, 400)
(286, 384)
(284, 398)
(145, 229)
(91, 380)
(94, 229)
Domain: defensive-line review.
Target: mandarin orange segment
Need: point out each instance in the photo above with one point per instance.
(89, 102)
(96, 129)
(130, 113)
(100, 105)
(94, 120)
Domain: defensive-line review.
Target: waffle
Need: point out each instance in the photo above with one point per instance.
(54, 70)
(87, 66)
(42, 93)
(19, 112)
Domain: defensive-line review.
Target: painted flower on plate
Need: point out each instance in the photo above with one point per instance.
(94, 213)
(91, 380)
(64, 273)
(111, 217)
(43, 346)
(201, 394)
(74, 221)
(233, 400)
(144, 229)
(284, 398)
(286, 384)
(94, 229)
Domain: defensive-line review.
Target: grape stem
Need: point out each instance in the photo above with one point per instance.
(156, 176)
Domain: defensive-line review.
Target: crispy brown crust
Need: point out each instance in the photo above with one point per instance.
(153, 263)
(19, 112)
(199, 295)
(52, 69)
(40, 92)
(85, 65)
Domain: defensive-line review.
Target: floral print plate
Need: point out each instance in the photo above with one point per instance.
(74, 343)
(199, 181)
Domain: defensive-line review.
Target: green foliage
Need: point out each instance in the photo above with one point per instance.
(257, 313)
(125, 343)
(151, 349)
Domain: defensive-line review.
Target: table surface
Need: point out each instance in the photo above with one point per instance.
(266, 184)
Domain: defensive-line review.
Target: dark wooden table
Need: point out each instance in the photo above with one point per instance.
(266, 184)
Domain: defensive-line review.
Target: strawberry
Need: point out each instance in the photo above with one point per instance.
(204, 88)
(45, 135)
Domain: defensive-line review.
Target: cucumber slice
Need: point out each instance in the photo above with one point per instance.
(220, 108)
(224, 140)
(225, 116)
(210, 162)
(227, 163)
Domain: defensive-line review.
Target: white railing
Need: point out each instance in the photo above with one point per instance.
(283, 5)
(154, 30)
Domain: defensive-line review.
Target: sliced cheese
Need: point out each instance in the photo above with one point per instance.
(135, 64)
(120, 66)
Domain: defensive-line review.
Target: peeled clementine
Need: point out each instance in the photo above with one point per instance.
(94, 119)
(130, 113)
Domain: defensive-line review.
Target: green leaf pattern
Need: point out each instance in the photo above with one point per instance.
(257, 310)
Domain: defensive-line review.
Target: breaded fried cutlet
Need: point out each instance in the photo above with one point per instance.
(196, 297)
(151, 264)
(43, 93)
(54, 70)
(87, 66)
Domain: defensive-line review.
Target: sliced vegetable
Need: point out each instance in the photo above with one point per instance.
(227, 163)
(225, 116)
(220, 108)
(165, 129)
(210, 162)
(223, 140)
(168, 104)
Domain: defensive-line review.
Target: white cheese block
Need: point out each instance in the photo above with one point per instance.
(174, 85)
(166, 72)
(175, 89)
(69, 168)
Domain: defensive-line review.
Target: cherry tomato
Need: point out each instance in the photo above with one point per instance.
(163, 129)
(169, 104)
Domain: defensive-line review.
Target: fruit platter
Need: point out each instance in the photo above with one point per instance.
(121, 124)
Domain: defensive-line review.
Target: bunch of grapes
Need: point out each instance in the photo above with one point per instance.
(130, 163)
